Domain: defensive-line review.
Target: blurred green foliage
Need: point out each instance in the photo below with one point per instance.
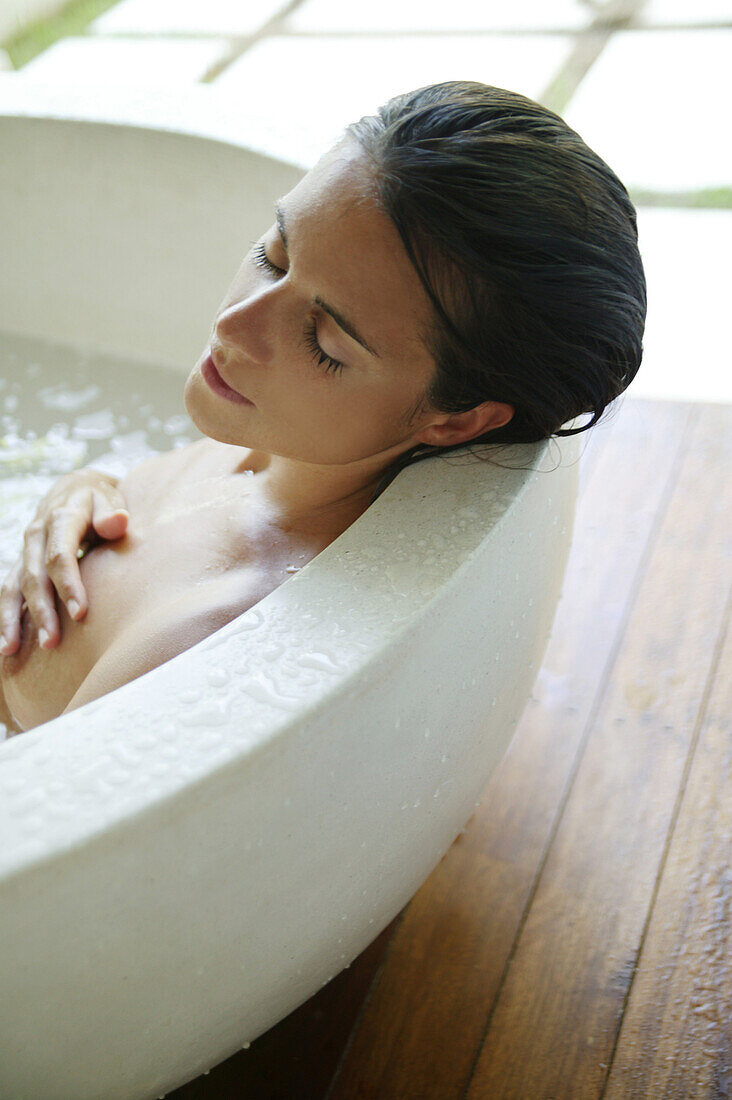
(711, 197)
(33, 39)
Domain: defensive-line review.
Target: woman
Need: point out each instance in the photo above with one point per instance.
(459, 268)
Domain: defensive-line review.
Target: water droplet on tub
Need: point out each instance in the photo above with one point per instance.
(217, 677)
(321, 662)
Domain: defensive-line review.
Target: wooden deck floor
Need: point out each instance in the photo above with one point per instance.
(574, 942)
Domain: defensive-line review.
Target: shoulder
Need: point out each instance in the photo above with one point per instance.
(167, 630)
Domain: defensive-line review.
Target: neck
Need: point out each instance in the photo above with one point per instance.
(301, 493)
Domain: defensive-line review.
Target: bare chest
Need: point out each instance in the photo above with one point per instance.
(192, 542)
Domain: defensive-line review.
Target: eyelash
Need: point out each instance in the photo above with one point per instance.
(310, 338)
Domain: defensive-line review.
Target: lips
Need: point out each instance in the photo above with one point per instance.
(219, 386)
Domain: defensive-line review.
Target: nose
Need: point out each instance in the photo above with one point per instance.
(247, 327)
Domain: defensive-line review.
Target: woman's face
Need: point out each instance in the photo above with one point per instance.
(334, 253)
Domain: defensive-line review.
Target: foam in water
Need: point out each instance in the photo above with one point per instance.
(62, 408)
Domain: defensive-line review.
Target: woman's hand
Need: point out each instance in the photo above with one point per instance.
(80, 504)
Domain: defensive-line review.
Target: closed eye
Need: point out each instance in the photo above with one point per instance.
(322, 358)
(261, 260)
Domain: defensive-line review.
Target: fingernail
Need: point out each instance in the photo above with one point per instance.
(3, 641)
(43, 636)
(73, 608)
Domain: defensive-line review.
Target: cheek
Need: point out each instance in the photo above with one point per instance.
(333, 422)
(364, 420)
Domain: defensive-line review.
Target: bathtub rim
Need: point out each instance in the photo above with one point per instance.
(200, 111)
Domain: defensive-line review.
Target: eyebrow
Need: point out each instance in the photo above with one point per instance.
(338, 317)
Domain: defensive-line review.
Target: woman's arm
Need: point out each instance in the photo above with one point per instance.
(79, 510)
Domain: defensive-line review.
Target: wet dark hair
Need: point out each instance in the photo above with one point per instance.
(526, 243)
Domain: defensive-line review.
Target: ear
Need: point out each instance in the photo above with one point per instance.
(462, 427)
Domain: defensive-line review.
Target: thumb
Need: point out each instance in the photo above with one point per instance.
(108, 520)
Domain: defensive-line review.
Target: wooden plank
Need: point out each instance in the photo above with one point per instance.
(594, 441)
(554, 1025)
(676, 1036)
(424, 1022)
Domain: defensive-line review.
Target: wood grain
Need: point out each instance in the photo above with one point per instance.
(676, 1035)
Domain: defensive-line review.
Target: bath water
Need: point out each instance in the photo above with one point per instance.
(62, 408)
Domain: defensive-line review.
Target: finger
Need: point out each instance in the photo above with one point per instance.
(109, 513)
(36, 586)
(66, 528)
(11, 606)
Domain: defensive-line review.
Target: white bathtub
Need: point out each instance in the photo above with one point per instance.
(186, 860)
